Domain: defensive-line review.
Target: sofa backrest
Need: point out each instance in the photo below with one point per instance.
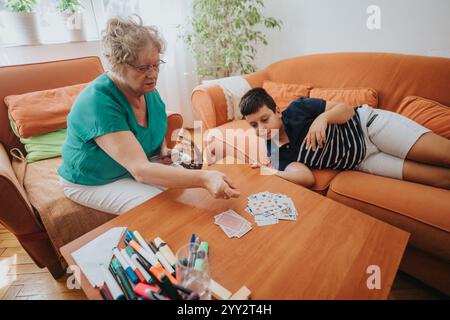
(393, 76)
(20, 79)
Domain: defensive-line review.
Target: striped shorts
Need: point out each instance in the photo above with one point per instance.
(389, 136)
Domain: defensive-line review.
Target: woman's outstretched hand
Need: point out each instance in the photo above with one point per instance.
(219, 185)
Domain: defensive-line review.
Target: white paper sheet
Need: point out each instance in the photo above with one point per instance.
(97, 252)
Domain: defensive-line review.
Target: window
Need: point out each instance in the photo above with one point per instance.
(104, 9)
(50, 26)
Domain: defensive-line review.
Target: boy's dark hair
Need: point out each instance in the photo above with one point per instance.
(254, 99)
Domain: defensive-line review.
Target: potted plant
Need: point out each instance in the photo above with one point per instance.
(21, 22)
(223, 35)
(73, 19)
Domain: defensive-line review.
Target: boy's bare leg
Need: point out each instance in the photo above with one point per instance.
(427, 174)
(432, 149)
(298, 173)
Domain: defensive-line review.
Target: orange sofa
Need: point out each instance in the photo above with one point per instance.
(42, 233)
(421, 210)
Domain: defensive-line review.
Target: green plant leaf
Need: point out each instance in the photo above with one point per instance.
(69, 6)
(223, 35)
(20, 5)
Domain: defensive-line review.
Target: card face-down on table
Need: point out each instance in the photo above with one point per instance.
(233, 224)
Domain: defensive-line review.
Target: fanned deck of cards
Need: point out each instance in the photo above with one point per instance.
(268, 208)
(232, 223)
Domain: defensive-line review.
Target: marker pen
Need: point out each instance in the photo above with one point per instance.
(113, 287)
(146, 291)
(165, 250)
(193, 296)
(134, 257)
(161, 258)
(159, 271)
(150, 257)
(133, 277)
(128, 260)
(145, 246)
(130, 236)
(202, 253)
(192, 251)
(169, 289)
(117, 268)
(106, 295)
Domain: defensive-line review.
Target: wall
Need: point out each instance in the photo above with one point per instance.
(49, 52)
(309, 26)
(419, 27)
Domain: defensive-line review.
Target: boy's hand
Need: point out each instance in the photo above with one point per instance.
(316, 135)
(256, 165)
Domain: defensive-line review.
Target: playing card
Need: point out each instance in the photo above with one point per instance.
(232, 224)
(229, 221)
(266, 221)
(267, 208)
(264, 205)
(245, 229)
(229, 232)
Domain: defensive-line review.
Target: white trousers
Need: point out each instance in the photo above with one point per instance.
(116, 197)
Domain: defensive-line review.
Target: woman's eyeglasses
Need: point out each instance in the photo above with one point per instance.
(148, 67)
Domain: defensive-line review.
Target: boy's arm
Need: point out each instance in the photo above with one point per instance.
(298, 173)
(337, 113)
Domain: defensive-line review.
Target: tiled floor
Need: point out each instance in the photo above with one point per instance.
(21, 279)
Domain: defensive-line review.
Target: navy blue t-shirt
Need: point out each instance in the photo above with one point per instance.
(344, 147)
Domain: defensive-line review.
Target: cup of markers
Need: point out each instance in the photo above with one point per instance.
(192, 268)
(146, 271)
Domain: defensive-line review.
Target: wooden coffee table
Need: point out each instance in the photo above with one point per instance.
(325, 254)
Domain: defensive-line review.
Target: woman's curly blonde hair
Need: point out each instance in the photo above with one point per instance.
(124, 38)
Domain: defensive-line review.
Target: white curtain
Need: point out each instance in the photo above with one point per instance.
(177, 77)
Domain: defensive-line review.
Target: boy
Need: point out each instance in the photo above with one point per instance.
(319, 134)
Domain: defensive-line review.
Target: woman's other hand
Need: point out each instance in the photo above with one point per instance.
(165, 155)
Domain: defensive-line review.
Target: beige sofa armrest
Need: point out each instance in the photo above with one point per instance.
(16, 212)
(8, 177)
(17, 215)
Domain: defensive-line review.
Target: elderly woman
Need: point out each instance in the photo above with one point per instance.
(118, 123)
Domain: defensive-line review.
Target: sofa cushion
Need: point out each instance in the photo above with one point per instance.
(422, 210)
(241, 135)
(428, 113)
(40, 112)
(44, 146)
(285, 93)
(352, 96)
(63, 219)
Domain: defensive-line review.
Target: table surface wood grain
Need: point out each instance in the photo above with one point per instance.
(324, 254)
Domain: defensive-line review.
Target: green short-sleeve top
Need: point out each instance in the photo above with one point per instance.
(102, 108)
